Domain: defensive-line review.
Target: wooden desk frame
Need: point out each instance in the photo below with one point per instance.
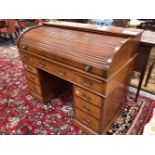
(99, 69)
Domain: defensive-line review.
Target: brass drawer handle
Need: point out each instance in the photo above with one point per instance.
(28, 68)
(86, 121)
(41, 64)
(87, 83)
(62, 73)
(26, 57)
(24, 47)
(86, 97)
(86, 109)
(32, 78)
(87, 68)
(32, 88)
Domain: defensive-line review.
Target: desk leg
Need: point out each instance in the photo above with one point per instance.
(139, 85)
(149, 73)
(140, 66)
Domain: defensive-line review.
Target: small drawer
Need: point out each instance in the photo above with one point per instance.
(91, 83)
(32, 77)
(53, 68)
(38, 97)
(30, 68)
(87, 107)
(88, 96)
(86, 119)
(65, 73)
(25, 56)
(34, 88)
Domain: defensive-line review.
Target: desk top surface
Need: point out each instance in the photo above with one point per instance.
(148, 38)
(118, 31)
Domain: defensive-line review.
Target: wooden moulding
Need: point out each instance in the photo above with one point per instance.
(111, 30)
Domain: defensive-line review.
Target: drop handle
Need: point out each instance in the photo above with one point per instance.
(87, 83)
(85, 121)
(32, 78)
(24, 47)
(41, 64)
(86, 109)
(29, 69)
(86, 97)
(62, 73)
(32, 88)
(87, 68)
(26, 57)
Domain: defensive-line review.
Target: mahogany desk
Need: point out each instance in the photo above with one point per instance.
(96, 61)
(146, 44)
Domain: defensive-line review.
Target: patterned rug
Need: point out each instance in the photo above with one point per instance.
(20, 114)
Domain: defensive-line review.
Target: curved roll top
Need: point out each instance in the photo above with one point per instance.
(90, 51)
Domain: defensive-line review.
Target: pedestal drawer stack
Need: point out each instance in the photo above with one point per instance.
(33, 81)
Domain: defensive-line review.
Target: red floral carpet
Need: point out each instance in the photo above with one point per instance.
(21, 114)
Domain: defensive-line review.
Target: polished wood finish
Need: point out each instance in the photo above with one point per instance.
(88, 96)
(84, 127)
(98, 62)
(30, 68)
(87, 107)
(34, 88)
(110, 30)
(32, 77)
(87, 120)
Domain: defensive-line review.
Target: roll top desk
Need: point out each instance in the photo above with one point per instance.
(97, 61)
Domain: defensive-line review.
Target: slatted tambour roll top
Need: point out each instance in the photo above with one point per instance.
(88, 48)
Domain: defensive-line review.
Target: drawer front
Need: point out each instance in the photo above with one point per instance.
(87, 107)
(88, 96)
(32, 77)
(26, 57)
(87, 120)
(55, 69)
(38, 97)
(30, 68)
(46, 65)
(91, 83)
(34, 88)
